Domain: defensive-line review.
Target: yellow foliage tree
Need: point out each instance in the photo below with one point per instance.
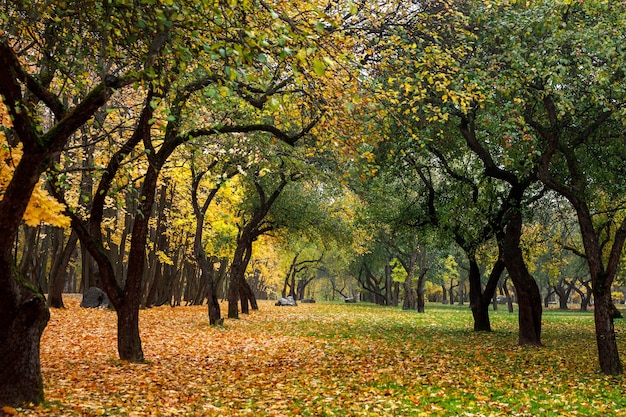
(42, 208)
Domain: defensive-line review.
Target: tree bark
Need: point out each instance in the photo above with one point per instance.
(528, 294)
(420, 294)
(128, 340)
(421, 279)
(248, 299)
(23, 311)
(602, 280)
(213, 306)
(608, 353)
(546, 299)
(481, 300)
(411, 299)
(20, 334)
(451, 290)
(58, 273)
(509, 299)
(234, 286)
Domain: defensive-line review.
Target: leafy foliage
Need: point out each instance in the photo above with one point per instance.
(42, 207)
(323, 359)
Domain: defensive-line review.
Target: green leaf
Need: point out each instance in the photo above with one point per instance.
(353, 8)
(319, 67)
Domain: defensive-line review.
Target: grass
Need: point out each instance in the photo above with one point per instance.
(326, 359)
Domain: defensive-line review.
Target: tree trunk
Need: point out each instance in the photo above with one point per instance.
(128, 340)
(23, 312)
(451, 290)
(528, 294)
(480, 309)
(292, 285)
(215, 314)
(58, 273)
(301, 287)
(20, 369)
(608, 353)
(213, 307)
(421, 290)
(563, 301)
(411, 299)
(395, 294)
(388, 283)
(23, 317)
(481, 299)
(602, 280)
(211, 280)
(509, 299)
(248, 300)
(420, 260)
(236, 290)
(234, 284)
(243, 297)
(283, 293)
(585, 297)
(546, 299)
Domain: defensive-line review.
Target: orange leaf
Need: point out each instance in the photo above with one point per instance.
(9, 411)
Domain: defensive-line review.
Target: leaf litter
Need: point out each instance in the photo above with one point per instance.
(323, 359)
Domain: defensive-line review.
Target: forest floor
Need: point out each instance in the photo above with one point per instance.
(325, 359)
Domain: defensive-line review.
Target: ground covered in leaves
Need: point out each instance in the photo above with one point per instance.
(324, 360)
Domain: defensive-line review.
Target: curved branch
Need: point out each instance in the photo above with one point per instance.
(11, 63)
(468, 130)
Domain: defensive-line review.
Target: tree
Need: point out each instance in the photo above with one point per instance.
(58, 270)
(563, 87)
(210, 277)
(430, 77)
(466, 211)
(253, 224)
(26, 90)
(295, 287)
